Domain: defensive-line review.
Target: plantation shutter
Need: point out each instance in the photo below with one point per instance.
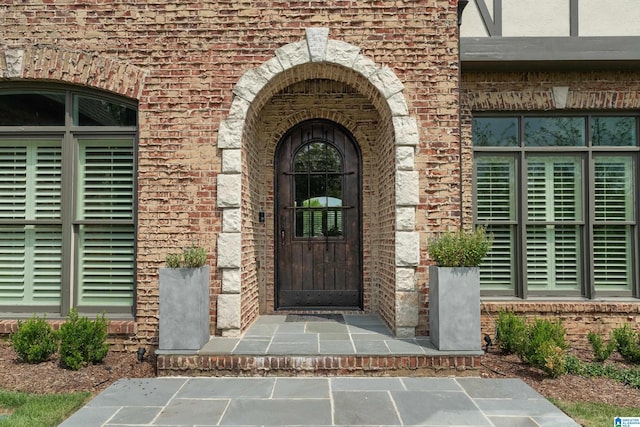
(614, 218)
(496, 207)
(106, 237)
(554, 209)
(30, 229)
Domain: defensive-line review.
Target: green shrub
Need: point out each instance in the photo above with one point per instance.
(83, 341)
(460, 249)
(34, 341)
(191, 257)
(601, 352)
(544, 346)
(627, 343)
(509, 332)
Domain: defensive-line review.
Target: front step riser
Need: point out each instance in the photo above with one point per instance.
(207, 365)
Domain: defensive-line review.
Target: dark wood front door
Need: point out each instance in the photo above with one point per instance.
(318, 231)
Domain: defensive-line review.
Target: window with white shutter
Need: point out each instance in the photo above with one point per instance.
(66, 201)
(566, 222)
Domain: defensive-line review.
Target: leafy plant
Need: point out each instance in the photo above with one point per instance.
(509, 332)
(627, 343)
(601, 351)
(544, 346)
(83, 341)
(191, 257)
(628, 376)
(34, 341)
(460, 249)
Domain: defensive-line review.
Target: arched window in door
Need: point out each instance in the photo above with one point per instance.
(318, 169)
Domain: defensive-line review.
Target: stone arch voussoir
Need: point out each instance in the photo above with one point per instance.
(318, 48)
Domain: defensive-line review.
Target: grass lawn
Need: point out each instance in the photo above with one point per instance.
(595, 414)
(38, 410)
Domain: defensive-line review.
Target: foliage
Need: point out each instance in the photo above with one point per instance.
(601, 352)
(460, 249)
(34, 341)
(45, 410)
(544, 346)
(628, 376)
(191, 257)
(509, 332)
(627, 343)
(83, 341)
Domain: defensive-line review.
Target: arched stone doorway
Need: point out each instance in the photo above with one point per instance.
(318, 78)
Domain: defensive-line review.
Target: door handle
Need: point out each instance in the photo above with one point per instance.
(282, 235)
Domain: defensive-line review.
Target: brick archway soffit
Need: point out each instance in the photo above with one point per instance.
(75, 67)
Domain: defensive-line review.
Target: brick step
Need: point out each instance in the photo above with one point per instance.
(320, 365)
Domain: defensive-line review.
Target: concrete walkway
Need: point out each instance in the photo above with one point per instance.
(319, 401)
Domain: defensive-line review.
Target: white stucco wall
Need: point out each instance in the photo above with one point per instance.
(541, 18)
(609, 18)
(551, 18)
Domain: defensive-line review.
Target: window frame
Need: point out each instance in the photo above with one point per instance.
(69, 135)
(588, 154)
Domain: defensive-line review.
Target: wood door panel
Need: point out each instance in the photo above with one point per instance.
(318, 228)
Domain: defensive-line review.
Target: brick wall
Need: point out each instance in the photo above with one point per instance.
(181, 62)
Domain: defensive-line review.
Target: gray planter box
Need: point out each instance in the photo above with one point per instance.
(454, 308)
(184, 309)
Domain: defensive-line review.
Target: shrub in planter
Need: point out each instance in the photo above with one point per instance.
(510, 330)
(460, 249)
(191, 257)
(184, 301)
(83, 341)
(34, 341)
(454, 289)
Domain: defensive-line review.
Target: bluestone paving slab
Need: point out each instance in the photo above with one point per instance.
(404, 347)
(252, 346)
(294, 338)
(201, 412)
(336, 347)
(507, 388)
(293, 349)
(226, 388)
(301, 388)
(438, 408)
(90, 417)
(378, 348)
(362, 320)
(366, 384)
(261, 330)
(369, 329)
(278, 412)
(431, 383)
(271, 319)
(556, 421)
(291, 328)
(326, 327)
(139, 392)
(516, 407)
(370, 407)
(136, 415)
(220, 345)
(318, 401)
(513, 422)
(334, 336)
